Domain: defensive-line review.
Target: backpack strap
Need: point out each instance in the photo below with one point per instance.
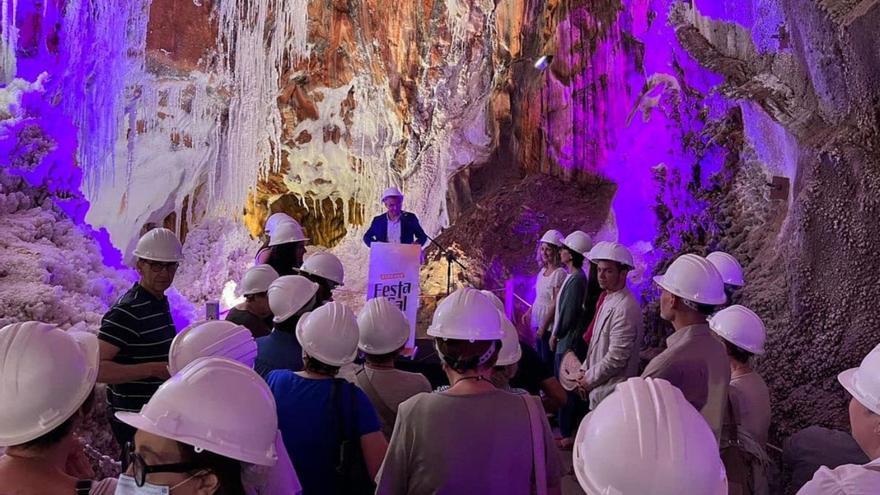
(730, 431)
(339, 391)
(363, 380)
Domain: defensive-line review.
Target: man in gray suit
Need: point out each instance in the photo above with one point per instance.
(613, 354)
(695, 360)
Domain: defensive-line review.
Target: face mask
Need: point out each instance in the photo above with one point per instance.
(126, 485)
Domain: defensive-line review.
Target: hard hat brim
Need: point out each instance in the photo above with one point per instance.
(660, 280)
(337, 282)
(378, 351)
(724, 335)
(847, 380)
(437, 331)
(141, 422)
(596, 259)
(278, 243)
(252, 292)
(578, 251)
(568, 367)
(161, 259)
(512, 359)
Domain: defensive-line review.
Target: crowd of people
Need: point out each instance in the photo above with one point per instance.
(293, 393)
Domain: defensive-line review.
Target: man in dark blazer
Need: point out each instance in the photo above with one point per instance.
(395, 225)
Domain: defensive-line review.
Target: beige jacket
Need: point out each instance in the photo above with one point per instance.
(613, 356)
(696, 362)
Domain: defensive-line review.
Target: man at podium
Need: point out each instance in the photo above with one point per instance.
(395, 226)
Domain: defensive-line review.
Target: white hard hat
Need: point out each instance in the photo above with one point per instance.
(45, 376)
(729, 268)
(159, 244)
(741, 327)
(383, 327)
(553, 237)
(495, 299)
(212, 338)
(289, 294)
(578, 242)
(276, 218)
(611, 251)
(510, 350)
(694, 278)
(214, 404)
(569, 370)
(392, 192)
(466, 314)
(257, 279)
(286, 232)
(863, 383)
(329, 334)
(324, 265)
(645, 438)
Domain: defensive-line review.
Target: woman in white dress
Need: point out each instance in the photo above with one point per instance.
(547, 285)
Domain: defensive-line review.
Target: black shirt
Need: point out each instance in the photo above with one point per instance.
(259, 327)
(531, 371)
(141, 327)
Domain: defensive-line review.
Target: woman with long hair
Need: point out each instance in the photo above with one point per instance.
(548, 281)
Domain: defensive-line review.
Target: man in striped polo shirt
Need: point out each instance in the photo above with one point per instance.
(136, 333)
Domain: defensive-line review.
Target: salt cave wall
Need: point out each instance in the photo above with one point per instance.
(808, 76)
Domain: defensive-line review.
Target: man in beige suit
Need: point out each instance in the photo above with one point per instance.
(695, 361)
(613, 355)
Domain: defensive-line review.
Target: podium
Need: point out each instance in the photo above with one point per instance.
(394, 275)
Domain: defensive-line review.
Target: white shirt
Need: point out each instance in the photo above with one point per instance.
(394, 231)
(849, 479)
(545, 288)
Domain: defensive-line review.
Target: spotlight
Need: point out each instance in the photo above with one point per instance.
(543, 62)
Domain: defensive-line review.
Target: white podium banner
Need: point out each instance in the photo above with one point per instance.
(394, 274)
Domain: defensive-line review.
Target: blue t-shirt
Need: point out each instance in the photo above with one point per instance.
(278, 351)
(309, 424)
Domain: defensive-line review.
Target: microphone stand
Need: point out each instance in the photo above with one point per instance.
(450, 259)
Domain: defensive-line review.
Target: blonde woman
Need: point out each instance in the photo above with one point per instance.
(547, 284)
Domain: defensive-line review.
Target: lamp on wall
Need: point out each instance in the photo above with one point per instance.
(543, 62)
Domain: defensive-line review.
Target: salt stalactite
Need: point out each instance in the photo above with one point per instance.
(351, 168)
(256, 39)
(102, 43)
(172, 139)
(8, 40)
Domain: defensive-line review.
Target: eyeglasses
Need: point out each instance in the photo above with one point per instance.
(158, 266)
(140, 469)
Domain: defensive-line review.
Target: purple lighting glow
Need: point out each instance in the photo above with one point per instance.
(631, 101)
